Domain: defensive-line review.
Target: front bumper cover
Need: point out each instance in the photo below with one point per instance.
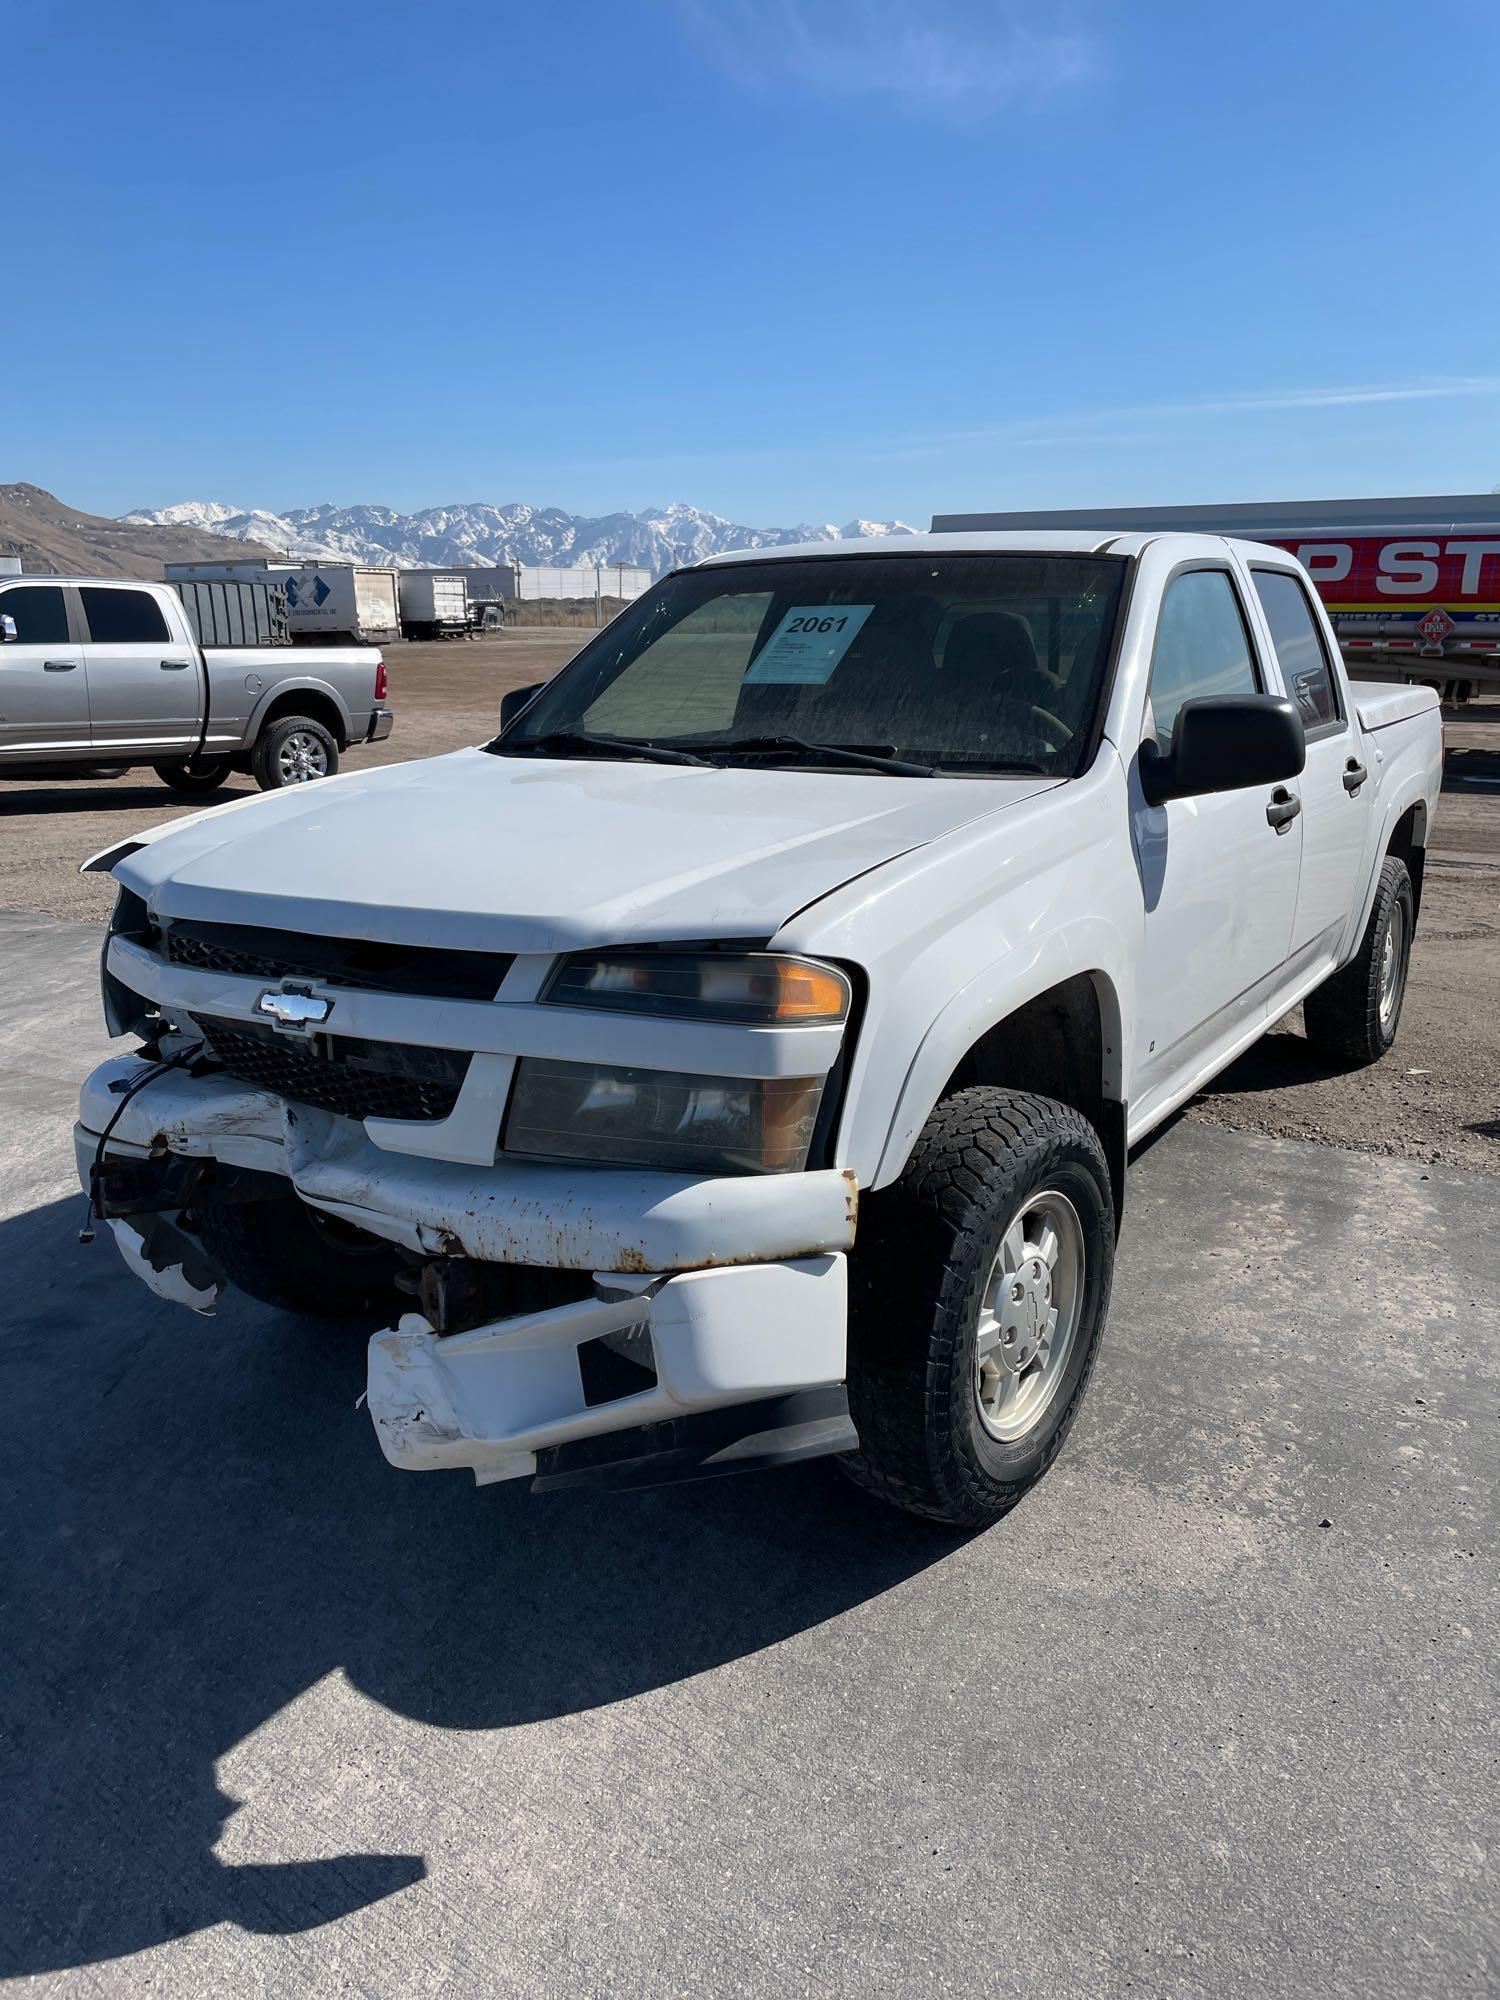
(739, 1284)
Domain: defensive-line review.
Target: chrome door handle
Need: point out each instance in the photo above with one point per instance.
(174, 666)
(58, 666)
(1283, 809)
(1354, 775)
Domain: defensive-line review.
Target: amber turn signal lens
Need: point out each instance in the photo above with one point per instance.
(753, 988)
(810, 992)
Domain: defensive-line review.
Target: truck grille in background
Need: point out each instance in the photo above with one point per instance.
(356, 1079)
(253, 953)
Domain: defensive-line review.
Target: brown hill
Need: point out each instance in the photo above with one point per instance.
(47, 534)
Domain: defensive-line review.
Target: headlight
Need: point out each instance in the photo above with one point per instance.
(661, 1118)
(756, 988)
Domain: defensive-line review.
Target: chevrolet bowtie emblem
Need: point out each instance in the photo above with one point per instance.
(293, 1008)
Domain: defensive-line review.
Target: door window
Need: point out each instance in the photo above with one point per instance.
(1202, 648)
(1299, 646)
(40, 612)
(123, 617)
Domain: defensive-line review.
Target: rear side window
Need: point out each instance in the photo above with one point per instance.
(1299, 646)
(1202, 648)
(40, 612)
(123, 617)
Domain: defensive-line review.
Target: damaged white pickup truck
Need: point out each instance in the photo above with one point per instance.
(736, 1060)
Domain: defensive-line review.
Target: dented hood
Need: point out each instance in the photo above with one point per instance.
(520, 854)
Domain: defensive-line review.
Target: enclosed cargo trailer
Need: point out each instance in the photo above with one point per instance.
(1412, 584)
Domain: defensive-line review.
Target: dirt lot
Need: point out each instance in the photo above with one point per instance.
(1436, 1098)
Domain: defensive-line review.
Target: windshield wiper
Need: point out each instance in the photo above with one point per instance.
(830, 753)
(1001, 766)
(575, 743)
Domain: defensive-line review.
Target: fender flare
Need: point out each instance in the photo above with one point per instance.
(1088, 947)
(297, 684)
(1411, 792)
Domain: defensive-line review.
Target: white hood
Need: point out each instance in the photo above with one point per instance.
(523, 854)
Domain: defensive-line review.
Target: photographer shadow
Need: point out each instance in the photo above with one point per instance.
(202, 1527)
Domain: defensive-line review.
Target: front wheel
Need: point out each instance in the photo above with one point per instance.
(293, 751)
(1353, 1017)
(980, 1287)
(196, 778)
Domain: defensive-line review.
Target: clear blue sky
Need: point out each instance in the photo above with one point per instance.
(787, 259)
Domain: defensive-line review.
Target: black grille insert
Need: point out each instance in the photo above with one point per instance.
(373, 967)
(356, 1079)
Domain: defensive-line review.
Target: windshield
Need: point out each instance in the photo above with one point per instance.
(932, 662)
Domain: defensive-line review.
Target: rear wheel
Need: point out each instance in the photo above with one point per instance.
(1353, 1017)
(980, 1286)
(200, 775)
(294, 750)
(287, 1254)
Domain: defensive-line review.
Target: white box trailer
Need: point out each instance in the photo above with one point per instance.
(433, 602)
(324, 601)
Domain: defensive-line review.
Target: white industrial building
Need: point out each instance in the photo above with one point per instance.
(534, 580)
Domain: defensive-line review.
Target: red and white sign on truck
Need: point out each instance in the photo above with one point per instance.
(1412, 585)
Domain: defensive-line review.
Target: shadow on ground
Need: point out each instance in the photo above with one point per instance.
(85, 795)
(201, 1526)
(1278, 1061)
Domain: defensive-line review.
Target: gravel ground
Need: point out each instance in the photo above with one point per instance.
(1435, 1099)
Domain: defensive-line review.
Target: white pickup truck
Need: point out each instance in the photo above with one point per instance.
(737, 1059)
(98, 675)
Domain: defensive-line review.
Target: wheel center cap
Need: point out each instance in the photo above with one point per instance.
(1025, 1302)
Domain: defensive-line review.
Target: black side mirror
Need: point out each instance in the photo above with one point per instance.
(1223, 743)
(515, 699)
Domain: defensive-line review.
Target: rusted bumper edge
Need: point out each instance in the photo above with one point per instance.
(569, 1218)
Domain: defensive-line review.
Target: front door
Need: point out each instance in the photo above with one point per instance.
(1218, 874)
(44, 695)
(144, 690)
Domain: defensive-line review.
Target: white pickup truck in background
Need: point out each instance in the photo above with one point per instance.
(98, 675)
(737, 1059)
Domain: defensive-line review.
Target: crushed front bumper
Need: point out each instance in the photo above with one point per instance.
(493, 1398)
(732, 1290)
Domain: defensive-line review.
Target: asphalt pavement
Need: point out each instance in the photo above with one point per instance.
(1211, 1713)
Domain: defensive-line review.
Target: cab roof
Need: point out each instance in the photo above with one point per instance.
(979, 541)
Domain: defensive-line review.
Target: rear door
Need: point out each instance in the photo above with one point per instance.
(145, 690)
(1218, 876)
(44, 695)
(1335, 797)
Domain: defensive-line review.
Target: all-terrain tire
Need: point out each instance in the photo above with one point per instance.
(1353, 1016)
(287, 751)
(286, 1254)
(926, 1252)
(198, 778)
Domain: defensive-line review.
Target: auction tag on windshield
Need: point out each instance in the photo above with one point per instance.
(807, 645)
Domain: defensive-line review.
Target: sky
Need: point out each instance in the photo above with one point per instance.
(788, 260)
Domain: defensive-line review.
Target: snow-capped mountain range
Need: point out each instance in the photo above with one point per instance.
(436, 537)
